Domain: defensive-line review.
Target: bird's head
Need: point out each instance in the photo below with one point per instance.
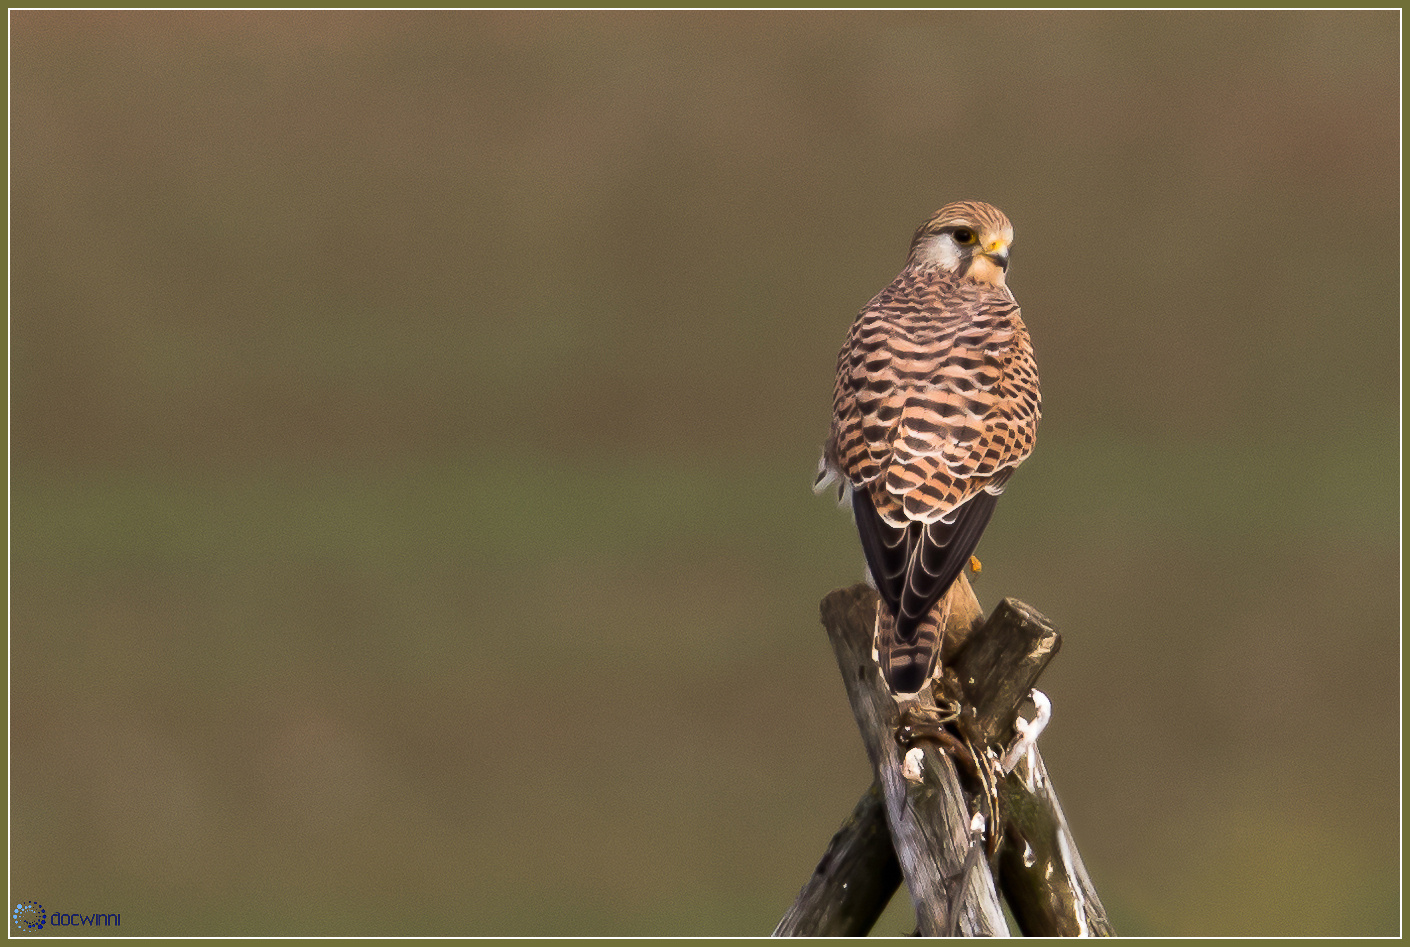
(970, 239)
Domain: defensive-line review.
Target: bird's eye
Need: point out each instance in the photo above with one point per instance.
(964, 236)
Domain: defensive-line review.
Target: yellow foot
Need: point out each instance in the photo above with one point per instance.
(975, 565)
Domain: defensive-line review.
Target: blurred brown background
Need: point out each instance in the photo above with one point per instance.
(414, 416)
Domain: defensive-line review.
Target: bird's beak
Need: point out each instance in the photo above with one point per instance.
(998, 251)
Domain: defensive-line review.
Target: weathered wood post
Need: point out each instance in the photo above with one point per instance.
(923, 828)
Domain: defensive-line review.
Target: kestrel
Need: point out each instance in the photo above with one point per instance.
(936, 403)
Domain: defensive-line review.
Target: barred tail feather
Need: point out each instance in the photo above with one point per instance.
(908, 665)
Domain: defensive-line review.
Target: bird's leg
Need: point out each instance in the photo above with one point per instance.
(975, 565)
(928, 723)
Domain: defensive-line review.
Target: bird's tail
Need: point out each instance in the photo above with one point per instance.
(909, 665)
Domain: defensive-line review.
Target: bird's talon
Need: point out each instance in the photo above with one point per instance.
(944, 711)
(926, 723)
(975, 565)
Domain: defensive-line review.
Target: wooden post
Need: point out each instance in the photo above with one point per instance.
(1040, 871)
(990, 667)
(853, 881)
(929, 819)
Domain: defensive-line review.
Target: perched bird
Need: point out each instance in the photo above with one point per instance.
(936, 403)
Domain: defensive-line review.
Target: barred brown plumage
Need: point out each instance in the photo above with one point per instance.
(936, 402)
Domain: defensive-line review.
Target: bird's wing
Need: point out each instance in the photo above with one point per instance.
(914, 565)
(936, 421)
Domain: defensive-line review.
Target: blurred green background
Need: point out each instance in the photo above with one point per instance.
(414, 414)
